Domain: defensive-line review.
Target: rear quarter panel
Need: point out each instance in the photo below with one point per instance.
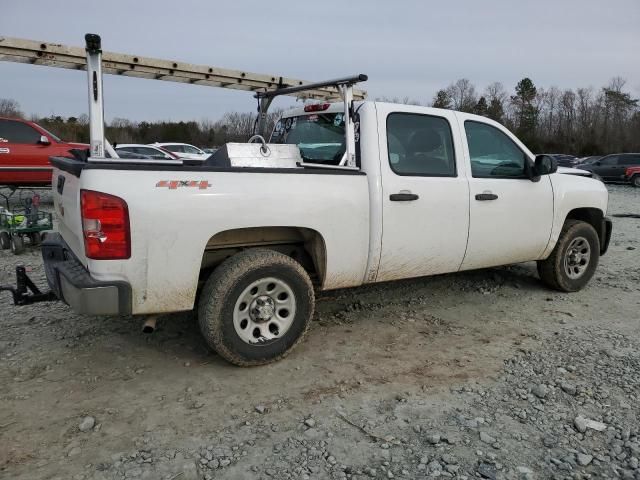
(171, 227)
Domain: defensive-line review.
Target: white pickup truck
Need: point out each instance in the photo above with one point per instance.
(342, 195)
(433, 191)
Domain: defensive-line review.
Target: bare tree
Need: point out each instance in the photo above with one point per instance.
(463, 95)
(10, 108)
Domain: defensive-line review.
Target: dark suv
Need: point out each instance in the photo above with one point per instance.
(612, 167)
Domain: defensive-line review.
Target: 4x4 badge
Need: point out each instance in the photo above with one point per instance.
(174, 184)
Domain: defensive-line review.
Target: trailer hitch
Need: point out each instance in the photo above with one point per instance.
(26, 292)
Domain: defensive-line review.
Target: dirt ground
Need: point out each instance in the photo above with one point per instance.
(482, 374)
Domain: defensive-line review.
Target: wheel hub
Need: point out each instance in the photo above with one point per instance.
(577, 257)
(262, 309)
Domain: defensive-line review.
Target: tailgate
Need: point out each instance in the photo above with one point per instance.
(66, 200)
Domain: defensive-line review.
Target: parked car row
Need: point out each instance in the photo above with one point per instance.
(616, 167)
(25, 148)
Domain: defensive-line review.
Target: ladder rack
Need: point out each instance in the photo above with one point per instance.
(63, 56)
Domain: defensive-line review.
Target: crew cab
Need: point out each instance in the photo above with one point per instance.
(25, 148)
(248, 236)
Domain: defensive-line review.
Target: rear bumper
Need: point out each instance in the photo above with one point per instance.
(605, 235)
(73, 284)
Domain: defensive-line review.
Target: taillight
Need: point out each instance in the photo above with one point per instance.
(105, 226)
(316, 107)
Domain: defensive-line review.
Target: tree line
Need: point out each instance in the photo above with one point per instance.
(232, 127)
(584, 121)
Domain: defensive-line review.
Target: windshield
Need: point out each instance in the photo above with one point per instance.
(320, 137)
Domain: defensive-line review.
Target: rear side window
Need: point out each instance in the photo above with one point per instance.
(18, 132)
(630, 160)
(174, 148)
(493, 154)
(420, 145)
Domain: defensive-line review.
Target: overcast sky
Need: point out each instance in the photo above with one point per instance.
(408, 48)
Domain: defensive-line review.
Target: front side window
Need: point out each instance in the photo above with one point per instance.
(492, 153)
(190, 149)
(18, 132)
(150, 152)
(420, 145)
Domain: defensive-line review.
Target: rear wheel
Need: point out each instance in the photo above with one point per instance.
(574, 258)
(635, 180)
(5, 241)
(256, 307)
(17, 244)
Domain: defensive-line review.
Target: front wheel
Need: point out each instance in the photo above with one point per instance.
(5, 240)
(635, 180)
(256, 307)
(574, 259)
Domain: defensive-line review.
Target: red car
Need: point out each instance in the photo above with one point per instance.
(25, 148)
(632, 174)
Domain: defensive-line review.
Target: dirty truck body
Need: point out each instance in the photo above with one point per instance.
(247, 237)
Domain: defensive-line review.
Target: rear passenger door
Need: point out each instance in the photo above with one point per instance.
(510, 215)
(425, 201)
(608, 167)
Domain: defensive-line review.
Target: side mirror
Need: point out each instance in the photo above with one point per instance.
(544, 165)
(44, 140)
(597, 164)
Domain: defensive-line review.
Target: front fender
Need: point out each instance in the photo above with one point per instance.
(573, 196)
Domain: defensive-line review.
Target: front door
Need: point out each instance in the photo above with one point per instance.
(510, 216)
(425, 194)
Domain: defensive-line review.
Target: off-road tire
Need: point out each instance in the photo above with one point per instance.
(17, 244)
(635, 180)
(223, 289)
(552, 271)
(35, 239)
(5, 240)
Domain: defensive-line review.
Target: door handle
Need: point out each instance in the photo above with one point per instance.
(483, 197)
(403, 197)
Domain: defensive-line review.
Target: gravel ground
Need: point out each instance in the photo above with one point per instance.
(483, 374)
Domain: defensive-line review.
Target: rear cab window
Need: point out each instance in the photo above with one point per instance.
(319, 136)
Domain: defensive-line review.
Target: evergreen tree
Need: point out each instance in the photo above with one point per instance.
(526, 111)
(442, 100)
(495, 111)
(481, 107)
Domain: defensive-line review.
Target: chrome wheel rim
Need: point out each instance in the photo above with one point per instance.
(577, 257)
(264, 311)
